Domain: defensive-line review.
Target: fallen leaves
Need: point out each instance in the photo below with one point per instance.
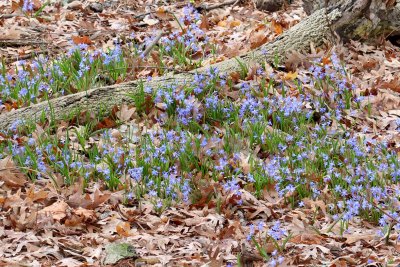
(290, 76)
(149, 21)
(258, 36)
(33, 196)
(81, 40)
(277, 27)
(307, 239)
(57, 211)
(42, 223)
(81, 216)
(125, 113)
(123, 229)
(10, 174)
(88, 201)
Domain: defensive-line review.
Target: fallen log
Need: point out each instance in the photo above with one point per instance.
(340, 17)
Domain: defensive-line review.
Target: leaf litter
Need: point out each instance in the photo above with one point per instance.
(45, 223)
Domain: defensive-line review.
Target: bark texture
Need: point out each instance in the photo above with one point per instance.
(314, 29)
(270, 5)
(361, 19)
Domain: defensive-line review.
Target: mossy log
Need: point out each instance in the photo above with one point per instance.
(344, 16)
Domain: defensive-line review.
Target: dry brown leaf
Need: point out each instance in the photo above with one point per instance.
(123, 229)
(308, 239)
(295, 59)
(88, 201)
(277, 27)
(162, 14)
(125, 113)
(205, 24)
(24, 219)
(235, 23)
(56, 211)
(353, 238)
(13, 200)
(87, 215)
(222, 23)
(10, 175)
(290, 76)
(257, 39)
(70, 16)
(344, 261)
(314, 204)
(69, 262)
(149, 21)
(81, 40)
(394, 84)
(35, 196)
(11, 33)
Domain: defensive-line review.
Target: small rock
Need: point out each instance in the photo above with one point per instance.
(96, 7)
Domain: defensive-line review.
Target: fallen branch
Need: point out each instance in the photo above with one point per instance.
(19, 42)
(8, 16)
(153, 43)
(211, 7)
(314, 29)
(27, 56)
(201, 7)
(297, 38)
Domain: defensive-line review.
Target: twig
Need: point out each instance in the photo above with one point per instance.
(211, 7)
(19, 42)
(143, 15)
(199, 8)
(153, 43)
(7, 16)
(27, 56)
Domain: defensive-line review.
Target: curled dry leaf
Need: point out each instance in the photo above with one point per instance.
(125, 113)
(81, 215)
(257, 39)
(123, 229)
(307, 239)
(10, 175)
(81, 40)
(57, 211)
(36, 196)
(88, 201)
(290, 76)
(353, 238)
(149, 21)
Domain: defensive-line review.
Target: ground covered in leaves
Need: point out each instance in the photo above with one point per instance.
(290, 163)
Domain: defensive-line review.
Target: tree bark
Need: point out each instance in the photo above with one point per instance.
(361, 19)
(342, 16)
(270, 5)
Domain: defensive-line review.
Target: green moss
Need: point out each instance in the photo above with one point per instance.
(116, 252)
(364, 29)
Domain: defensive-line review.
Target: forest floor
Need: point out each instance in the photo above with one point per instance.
(292, 163)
